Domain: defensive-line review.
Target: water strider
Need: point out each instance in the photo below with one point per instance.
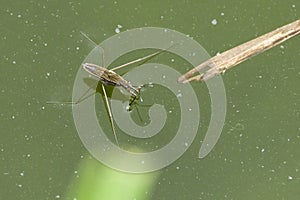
(110, 77)
(220, 63)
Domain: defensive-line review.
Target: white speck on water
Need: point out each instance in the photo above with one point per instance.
(172, 60)
(77, 48)
(19, 185)
(186, 144)
(170, 111)
(222, 14)
(281, 47)
(19, 16)
(190, 109)
(117, 30)
(290, 177)
(43, 107)
(262, 150)
(26, 137)
(161, 17)
(14, 62)
(214, 22)
(284, 162)
(293, 6)
(179, 94)
(177, 167)
(48, 74)
(22, 174)
(13, 117)
(143, 162)
(57, 196)
(45, 44)
(164, 76)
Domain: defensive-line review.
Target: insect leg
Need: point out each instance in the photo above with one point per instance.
(81, 98)
(141, 59)
(109, 113)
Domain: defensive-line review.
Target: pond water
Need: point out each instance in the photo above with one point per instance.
(44, 156)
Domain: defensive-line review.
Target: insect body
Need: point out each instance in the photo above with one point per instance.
(109, 77)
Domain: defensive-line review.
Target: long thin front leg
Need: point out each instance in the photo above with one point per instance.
(109, 113)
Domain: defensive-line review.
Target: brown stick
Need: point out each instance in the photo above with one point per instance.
(220, 63)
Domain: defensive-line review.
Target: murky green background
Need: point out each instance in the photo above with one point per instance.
(41, 155)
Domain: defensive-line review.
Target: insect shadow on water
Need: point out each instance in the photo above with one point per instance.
(109, 77)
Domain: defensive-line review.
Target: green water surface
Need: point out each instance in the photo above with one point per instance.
(42, 156)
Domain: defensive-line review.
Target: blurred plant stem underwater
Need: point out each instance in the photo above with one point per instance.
(96, 181)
